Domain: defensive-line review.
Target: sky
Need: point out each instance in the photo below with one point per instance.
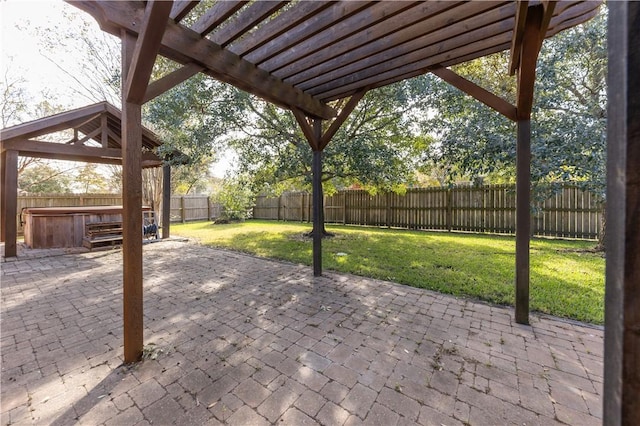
(20, 23)
(21, 50)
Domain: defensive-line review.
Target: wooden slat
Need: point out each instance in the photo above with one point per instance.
(248, 18)
(216, 15)
(281, 24)
(181, 8)
(444, 44)
(392, 78)
(336, 12)
(381, 38)
(472, 89)
(394, 67)
(355, 23)
(147, 46)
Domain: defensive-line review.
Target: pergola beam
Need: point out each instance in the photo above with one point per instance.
(89, 154)
(171, 80)
(184, 45)
(90, 135)
(518, 32)
(341, 118)
(146, 49)
(477, 92)
(62, 121)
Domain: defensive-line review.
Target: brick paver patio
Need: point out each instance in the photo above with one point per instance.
(232, 339)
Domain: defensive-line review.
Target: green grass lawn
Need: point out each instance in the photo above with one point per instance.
(566, 279)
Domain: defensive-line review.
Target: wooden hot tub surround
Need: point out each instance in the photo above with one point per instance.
(56, 227)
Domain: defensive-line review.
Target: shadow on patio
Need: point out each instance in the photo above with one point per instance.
(239, 340)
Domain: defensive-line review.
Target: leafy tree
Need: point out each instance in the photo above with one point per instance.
(568, 118)
(376, 147)
(44, 179)
(90, 180)
(236, 198)
(194, 118)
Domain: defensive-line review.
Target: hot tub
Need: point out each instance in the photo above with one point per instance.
(55, 227)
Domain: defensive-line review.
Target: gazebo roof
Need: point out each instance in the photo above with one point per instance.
(303, 54)
(97, 137)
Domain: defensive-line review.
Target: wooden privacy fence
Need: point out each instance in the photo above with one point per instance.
(570, 213)
(194, 207)
(183, 208)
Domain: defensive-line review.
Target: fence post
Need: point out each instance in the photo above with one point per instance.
(344, 207)
(449, 201)
(182, 208)
(278, 211)
(208, 208)
(387, 199)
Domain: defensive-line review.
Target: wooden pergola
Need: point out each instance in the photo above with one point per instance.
(96, 138)
(304, 55)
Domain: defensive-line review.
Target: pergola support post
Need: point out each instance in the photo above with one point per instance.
(166, 200)
(318, 202)
(622, 293)
(523, 219)
(131, 216)
(9, 202)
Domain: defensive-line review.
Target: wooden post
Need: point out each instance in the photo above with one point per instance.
(317, 203)
(182, 214)
(622, 293)
(166, 201)
(317, 217)
(9, 202)
(3, 191)
(131, 216)
(523, 219)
